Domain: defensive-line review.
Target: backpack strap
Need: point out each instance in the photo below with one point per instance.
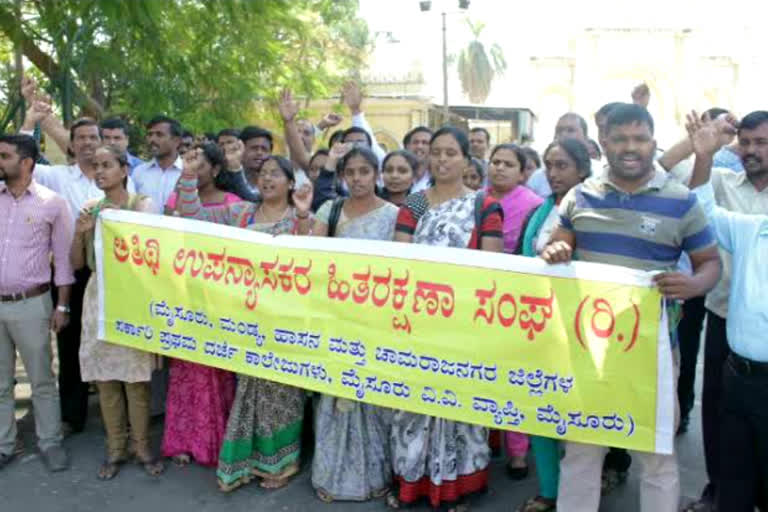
(333, 218)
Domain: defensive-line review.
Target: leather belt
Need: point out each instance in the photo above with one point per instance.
(744, 366)
(26, 294)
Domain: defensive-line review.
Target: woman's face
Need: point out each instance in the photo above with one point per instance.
(205, 171)
(562, 172)
(360, 177)
(109, 173)
(317, 165)
(504, 171)
(272, 181)
(397, 174)
(446, 159)
(471, 178)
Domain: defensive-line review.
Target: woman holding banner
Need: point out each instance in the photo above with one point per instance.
(567, 164)
(199, 397)
(442, 460)
(121, 374)
(351, 460)
(263, 433)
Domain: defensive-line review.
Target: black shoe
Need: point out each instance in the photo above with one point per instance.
(6, 459)
(683, 427)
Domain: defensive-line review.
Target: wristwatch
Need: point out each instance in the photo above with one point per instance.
(63, 309)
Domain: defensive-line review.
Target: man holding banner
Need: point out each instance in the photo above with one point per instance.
(633, 216)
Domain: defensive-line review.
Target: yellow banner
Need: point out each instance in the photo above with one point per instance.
(572, 352)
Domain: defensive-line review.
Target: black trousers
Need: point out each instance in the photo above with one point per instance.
(689, 334)
(743, 441)
(715, 353)
(73, 392)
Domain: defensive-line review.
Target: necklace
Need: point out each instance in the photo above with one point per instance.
(267, 219)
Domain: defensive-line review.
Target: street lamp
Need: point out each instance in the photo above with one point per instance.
(426, 5)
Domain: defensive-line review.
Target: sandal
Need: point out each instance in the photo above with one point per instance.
(224, 487)
(700, 505)
(279, 480)
(181, 460)
(324, 496)
(538, 504)
(152, 467)
(109, 469)
(517, 473)
(391, 499)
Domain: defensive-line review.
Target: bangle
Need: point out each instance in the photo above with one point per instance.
(63, 309)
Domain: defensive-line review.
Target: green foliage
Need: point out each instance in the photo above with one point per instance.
(202, 61)
(476, 69)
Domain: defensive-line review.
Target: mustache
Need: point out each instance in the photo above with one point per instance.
(753, 157)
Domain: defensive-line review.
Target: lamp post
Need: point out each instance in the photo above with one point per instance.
(426, 5)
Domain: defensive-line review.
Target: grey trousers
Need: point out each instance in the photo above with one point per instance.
(24, 326)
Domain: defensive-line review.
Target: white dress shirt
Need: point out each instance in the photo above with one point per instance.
(69, 182)
(158, 183)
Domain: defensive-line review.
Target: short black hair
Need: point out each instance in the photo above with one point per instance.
(114, 123)
(628, 113)
(582, 122)
(173, 124)
(357, 129)
(458, 135)
(367, 154)
(232, 132)
(209, 135)
(606, 109)
(479, 167)
(253, 132)
(714, 113)
(753, 120)
(26, 146)
(409, 157)
(532, 154)
(214, 155)
(578, 152)
(335, 137)
(79, 123)
(483, 130)
(519, 153)
(187, 133)
(596, 146)
(319, 152)
(414, 131)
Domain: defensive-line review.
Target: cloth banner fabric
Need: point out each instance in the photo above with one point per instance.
(566, 351)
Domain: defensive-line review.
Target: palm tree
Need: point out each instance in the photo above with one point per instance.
(476, 69)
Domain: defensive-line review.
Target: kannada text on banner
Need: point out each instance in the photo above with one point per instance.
(430, 330)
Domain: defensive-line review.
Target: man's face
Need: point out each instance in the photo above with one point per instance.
(753, 146)
(115, 137)
(569, 127)
(307, 132)
(256, 150)
(186, 144)
(227, 141)
(84, 142)
(11, 166)
(419, 146)
(161, 142)
(357, 137)
(630, 149)
(478, 145)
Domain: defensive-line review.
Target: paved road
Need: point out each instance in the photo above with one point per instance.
(27, 486)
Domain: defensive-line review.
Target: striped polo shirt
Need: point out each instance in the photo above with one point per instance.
(645, 230)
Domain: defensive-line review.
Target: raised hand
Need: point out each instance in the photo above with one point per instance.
(38, 110)
(287, 106)
(234, 155)
(641, 95)
(329, 120)
(189, 169)
(353, 97)
(28, 88)
(337, 153)
(302, 198)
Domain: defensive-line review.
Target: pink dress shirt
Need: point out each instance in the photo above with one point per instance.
(32, 227)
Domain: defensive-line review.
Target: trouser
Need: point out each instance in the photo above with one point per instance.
(580, 469)
(689, 335)
(546, 453)
(743, 463)
(715, 353)
(113, 396)
(25, 326)
(73, 392)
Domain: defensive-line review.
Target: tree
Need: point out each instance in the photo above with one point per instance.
(203, 61)
(476, 70)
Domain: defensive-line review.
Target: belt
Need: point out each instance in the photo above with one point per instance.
(744, 366)
(35, 291)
